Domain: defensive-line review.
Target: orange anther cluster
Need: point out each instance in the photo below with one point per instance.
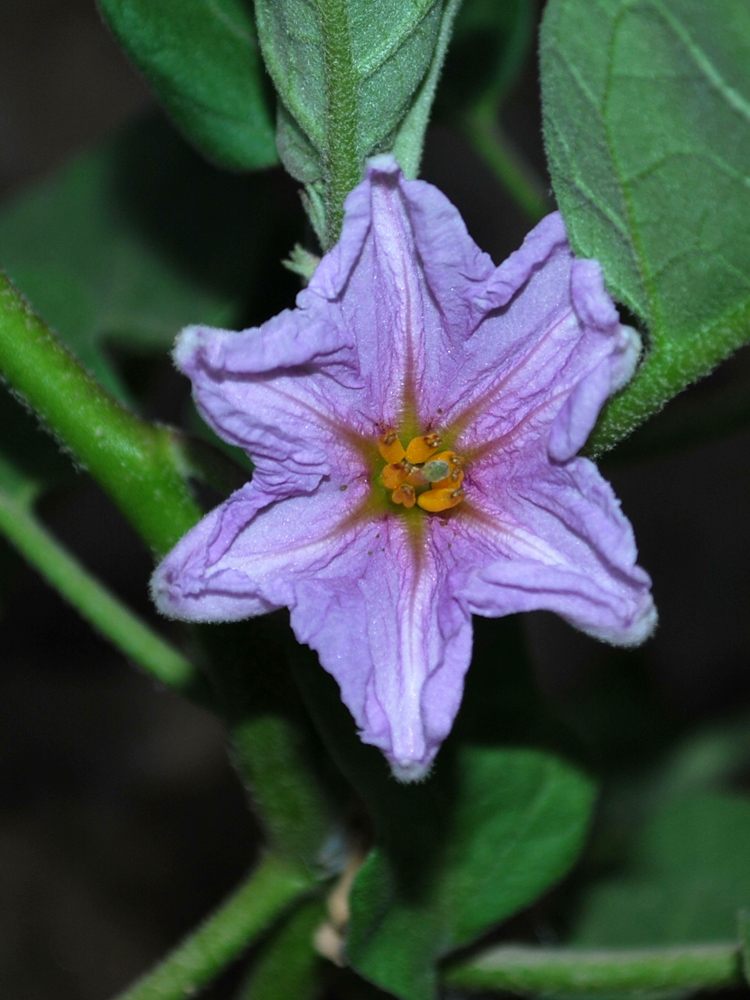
(420, 473)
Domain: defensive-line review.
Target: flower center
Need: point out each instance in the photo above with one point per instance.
(421, 473)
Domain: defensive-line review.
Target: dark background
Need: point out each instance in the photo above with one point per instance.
(121, 821)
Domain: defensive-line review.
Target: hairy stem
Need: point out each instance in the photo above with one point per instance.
(272, 887)
(92, 599)
(531, 970)
(137, 463)
(342, 162)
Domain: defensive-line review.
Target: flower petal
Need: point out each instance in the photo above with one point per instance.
(371, 600)
(275, 391)
(240, 560)
(414, 292)
(389, 629)
(557, 540)
(455, 270)
(544, 363)
(279, 389)
(596, 312)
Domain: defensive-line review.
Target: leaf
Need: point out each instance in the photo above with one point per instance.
(686, 879)
(132, 241)
(490, 830)
(647, 127)
(384, 60)
(408, 140)
(351, 84)
(202, 59)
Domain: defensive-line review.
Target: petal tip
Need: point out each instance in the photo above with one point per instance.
(410, 772)
(188, 344)
(643, 626)
(384, 163)
(630, 349)
(591, 300)
(630, 633)
(161, 591)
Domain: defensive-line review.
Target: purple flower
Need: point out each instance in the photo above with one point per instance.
(414, 424)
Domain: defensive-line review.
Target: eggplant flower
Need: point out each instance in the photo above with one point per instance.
(414, 424)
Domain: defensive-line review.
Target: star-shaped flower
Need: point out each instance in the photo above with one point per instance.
(414, 424)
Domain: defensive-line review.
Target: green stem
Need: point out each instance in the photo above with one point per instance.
(137, 463)
(343, 167)
(531, 970)
(485, 135)
(272, 887)
(91, 598)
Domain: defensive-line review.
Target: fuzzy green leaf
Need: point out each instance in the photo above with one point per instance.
(202, 59)
(647, 125)
(350, 81)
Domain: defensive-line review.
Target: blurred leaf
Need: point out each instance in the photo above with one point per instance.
(490, 42)
(490, 830)
(709, 759)
(687, 877)
(745, 943)
(510, 828)
(275, 748)
(202, 59)
(647, 126)
(132, 241)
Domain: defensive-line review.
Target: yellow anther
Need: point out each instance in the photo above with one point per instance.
(404, 494)
(435, 500)
(451, 458)
(420, 449)
(394, 475)
(390, 448)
